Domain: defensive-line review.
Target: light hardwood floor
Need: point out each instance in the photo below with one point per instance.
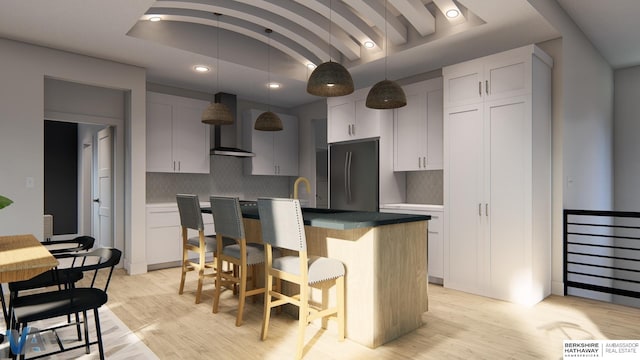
(457, 325)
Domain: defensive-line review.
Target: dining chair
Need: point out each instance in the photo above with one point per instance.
(71, 300)
(56, 277)
(283, 228)
(246, 256)
(191, 218)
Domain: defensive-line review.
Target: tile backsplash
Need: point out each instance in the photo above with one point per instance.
(226, 179)
(425, 187)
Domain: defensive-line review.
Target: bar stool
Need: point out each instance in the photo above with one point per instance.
(283, 227)
(191, 218)
(245, 255)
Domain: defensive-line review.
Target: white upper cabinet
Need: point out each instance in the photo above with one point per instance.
(276, 151)
(493, 77)
(350, 119)
(177, 140)
(418, 128)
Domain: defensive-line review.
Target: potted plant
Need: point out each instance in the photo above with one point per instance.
(4, 202)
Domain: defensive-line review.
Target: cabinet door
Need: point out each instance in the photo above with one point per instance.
(510, 177)
(464, 216)
(507, 74)
(164, 240)
(463, 83)
(435, 253)
(159, 137)
(340, 118)
(367, 121)
(190, 139)
(410, 132)
(434, 131)
(285, 147)
(260, 143)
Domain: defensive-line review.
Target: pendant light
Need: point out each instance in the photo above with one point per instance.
(268, 121)
(386, 94)
(330, 78)
(217, 113)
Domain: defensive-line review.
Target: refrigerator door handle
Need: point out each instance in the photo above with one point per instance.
(348, 176)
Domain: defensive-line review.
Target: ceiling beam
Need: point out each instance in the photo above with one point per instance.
(307, 18)
(417, 14)
(374, 11)
(344, 18)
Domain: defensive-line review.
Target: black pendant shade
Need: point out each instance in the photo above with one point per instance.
(330, 79)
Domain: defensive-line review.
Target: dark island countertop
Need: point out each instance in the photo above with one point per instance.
(340, 219)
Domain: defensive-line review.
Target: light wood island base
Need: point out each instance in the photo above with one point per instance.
(386, 279)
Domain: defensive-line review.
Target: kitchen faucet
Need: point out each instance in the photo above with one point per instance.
(295, 186)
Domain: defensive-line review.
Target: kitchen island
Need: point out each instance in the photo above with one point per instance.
(386, 267)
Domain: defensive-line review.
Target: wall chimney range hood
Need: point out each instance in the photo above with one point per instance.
(218, 149)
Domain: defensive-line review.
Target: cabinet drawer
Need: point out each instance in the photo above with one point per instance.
(163, 217)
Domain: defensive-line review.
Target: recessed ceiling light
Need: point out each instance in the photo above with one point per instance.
(155, 18)
(274, 85)
(201, 68)
(369, 44)
(452, 13)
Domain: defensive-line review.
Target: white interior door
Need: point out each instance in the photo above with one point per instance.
(104, 221)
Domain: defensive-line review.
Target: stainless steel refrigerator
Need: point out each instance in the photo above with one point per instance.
(353, 177)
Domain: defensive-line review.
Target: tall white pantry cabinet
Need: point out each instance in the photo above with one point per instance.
(497, 175)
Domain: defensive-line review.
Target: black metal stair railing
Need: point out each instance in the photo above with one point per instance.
(602, 254)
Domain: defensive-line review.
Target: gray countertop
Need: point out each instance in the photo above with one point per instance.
(341, 219)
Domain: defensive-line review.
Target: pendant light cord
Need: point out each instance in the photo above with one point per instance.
(330, 26)
(217, 53)
(386, 40)
(268, 31)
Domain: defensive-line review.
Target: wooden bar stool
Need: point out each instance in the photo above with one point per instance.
(283, 228)
(191, 218)
(244, 255)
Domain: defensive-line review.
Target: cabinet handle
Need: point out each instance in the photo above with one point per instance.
(486, 209)
(174, 166)
(178, 165)
(424, 162)
(479, 88)
(486, 87)
(419, 164)
(353, 127)
(479, 209)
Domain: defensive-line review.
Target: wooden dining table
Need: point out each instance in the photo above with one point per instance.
(23, 257)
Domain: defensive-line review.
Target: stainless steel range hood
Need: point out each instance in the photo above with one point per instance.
(218, 149)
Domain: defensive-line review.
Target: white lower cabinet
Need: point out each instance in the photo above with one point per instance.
(435, 248)
(164, 235)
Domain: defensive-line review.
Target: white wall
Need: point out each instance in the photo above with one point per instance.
(22, 76)
(583, 91)
(307, 143)
(626, 144)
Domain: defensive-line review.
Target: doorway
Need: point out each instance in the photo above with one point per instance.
(92, 109)
(78, 173)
